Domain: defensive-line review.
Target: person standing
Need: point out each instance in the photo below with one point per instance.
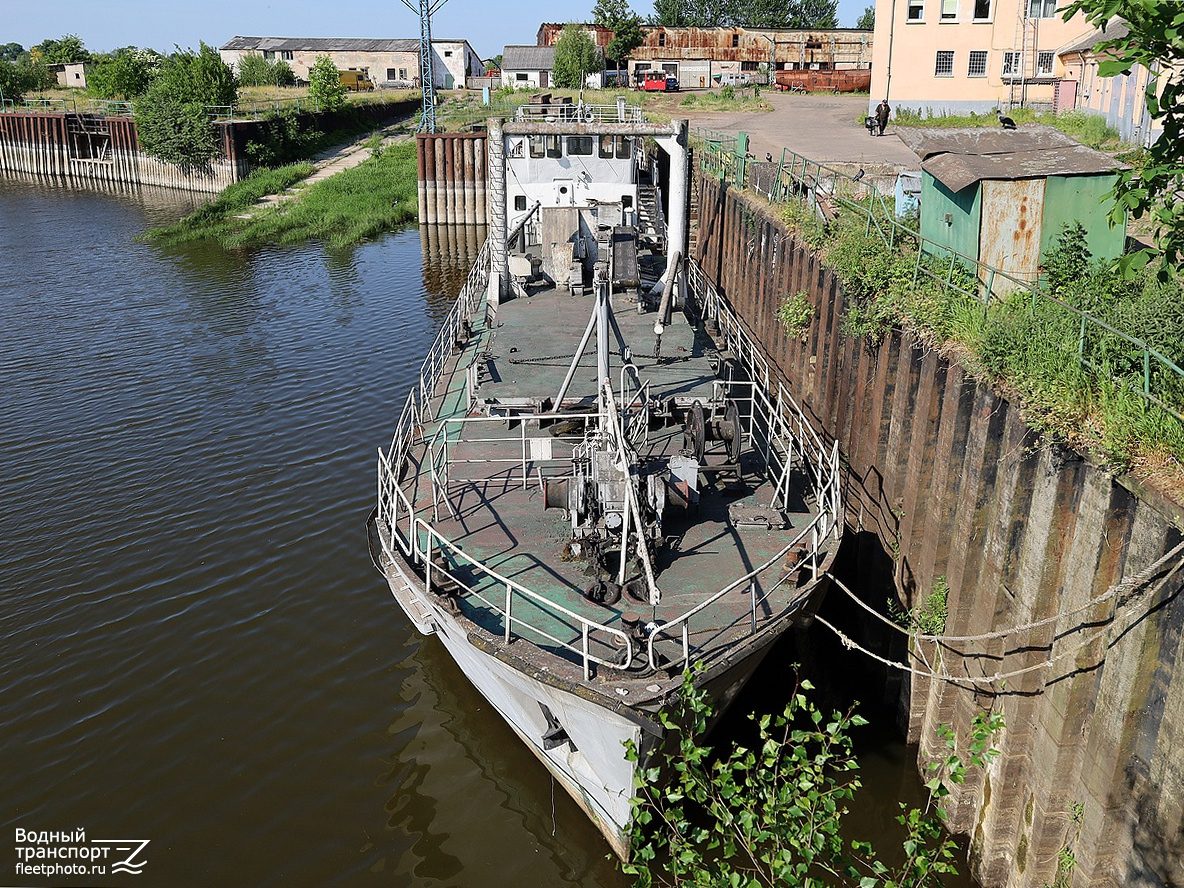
(882, 112)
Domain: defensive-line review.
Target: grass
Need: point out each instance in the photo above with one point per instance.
(1090, 129)
(1028, 350)
(376, 196)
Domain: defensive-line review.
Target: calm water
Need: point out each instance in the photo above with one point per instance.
(196, 649)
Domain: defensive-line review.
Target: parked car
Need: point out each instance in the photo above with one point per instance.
(671, 84)
(355, 80)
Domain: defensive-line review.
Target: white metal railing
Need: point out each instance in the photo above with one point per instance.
(505, 608)
(580, 112)
(777, 427)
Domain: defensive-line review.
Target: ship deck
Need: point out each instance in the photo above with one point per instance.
(496, 466)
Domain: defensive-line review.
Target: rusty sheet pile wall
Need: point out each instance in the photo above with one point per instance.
(81, 148)
(452, 170)
(947, 485)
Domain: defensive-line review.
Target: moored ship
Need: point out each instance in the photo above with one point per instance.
(597, 482)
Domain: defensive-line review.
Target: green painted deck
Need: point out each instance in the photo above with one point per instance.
(494, 485)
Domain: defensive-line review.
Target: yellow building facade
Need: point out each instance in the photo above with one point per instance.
(957, 56)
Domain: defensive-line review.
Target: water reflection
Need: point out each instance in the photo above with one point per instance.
(448, 253)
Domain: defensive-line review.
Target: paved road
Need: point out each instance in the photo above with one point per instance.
(822, 127)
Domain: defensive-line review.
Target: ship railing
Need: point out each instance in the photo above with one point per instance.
(581, 112)
(680, 628)
(529, 456)
(590, 631)
(780, 430)
(393, 504)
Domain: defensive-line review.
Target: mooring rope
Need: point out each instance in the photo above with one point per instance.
(1125, 585)
(1143, 578)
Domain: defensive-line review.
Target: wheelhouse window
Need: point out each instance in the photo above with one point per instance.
(620, 146)
(538, 146)
(916, 10)
(579, 146)
(977, 66)
(554, 149)
(944, 65)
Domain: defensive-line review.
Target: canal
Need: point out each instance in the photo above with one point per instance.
(196, 649)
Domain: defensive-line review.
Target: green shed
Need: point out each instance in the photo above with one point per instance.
(1002, 196)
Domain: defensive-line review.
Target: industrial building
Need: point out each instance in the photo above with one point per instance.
(704, 57)
(388, 62)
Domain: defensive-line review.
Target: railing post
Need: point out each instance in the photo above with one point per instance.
(509, 600)
(752, 597)
(686, 643)
(584, 647)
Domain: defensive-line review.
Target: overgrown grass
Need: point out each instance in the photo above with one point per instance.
(1027, 348)
(1090, 129)
(377, 195)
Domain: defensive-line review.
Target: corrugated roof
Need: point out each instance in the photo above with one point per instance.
(528, 58)
(323, 44)
(960, 157)
(1116, 29)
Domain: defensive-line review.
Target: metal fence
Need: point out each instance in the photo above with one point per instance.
(826, 191)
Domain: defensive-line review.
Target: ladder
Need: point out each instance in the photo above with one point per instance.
(1023, 45)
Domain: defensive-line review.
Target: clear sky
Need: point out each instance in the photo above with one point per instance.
(104, 25)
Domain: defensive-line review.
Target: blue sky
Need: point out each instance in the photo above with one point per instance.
(105, 24)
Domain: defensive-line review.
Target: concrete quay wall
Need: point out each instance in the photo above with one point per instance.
(947, 485)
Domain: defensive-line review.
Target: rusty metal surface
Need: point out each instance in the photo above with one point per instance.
(836, 48)
(961, 157)
(549, 32)
(857, 80)
(1011, 226)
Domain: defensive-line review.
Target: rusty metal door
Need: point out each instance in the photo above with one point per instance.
(1009, 238)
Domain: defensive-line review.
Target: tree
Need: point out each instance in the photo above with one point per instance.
(576, 57)
(618, 17)
(65, 51)
(813, 14)
(124, 74)
(773, 814)
(10, 52)
(324, 84)
(1155, 41)
(867, 21)
(172, 117)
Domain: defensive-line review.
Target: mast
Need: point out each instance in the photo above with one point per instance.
(427, 74)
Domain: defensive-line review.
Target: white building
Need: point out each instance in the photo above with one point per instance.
(530, 67)
(388, 62)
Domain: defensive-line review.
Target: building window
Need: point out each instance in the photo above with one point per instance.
(519, 201)
(916, 10)
(1042, 8)
(286, 55)
(982, 9)
(521, 77)
(448, 53)
(750, 66)
(945, 63)
(1011, 64)
(1044, 64)
(391, 74)
(735, 40)
(402, 73)
(978, 63)
(661, 38)
(268, 54)
(579, 146)
(949, 10)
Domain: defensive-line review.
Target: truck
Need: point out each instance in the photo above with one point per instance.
(655, 81)
(355, 80)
